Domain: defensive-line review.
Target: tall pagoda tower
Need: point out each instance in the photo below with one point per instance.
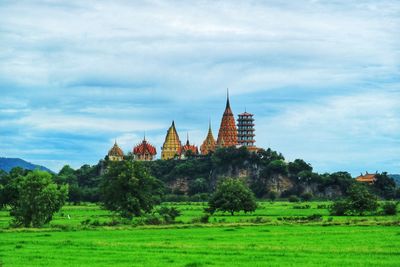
(246, 131)
(172, 146)
(209, 143)
(227, 135)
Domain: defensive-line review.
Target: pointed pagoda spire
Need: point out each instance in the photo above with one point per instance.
(172, 144)
(209, 143)
(228, 105)
(187, 138)
(227, 135)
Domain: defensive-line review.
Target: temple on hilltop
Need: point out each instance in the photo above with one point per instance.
(115, 153)
(368, 178)
(188, 147)
(246, 131)
(227, 135)
(209, 143)
(172, 146)
(144, 151)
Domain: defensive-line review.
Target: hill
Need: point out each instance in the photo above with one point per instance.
(396, 178)
(6, 164)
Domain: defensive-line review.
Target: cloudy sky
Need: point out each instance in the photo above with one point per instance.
(321, 77)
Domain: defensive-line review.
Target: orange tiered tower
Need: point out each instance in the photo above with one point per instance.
(144, 151)
(209, 143)
(115, 153)
(189, 147)
(227, 135)
(172, 146)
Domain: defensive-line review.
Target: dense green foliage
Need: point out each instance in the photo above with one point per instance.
(129, 190)
(359, 200)
(33, 197)
(232, 195)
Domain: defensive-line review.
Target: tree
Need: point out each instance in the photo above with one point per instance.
(129, 190)
(38, 199)
(384, 186)
(67, 176)
(359, 200)
(232, 195)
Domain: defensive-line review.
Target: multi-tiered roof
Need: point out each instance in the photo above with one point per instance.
(115, 153)
(227, 135)
(172, 145)
(188, 147)
(144, 151)
(209, 143)
(246, 130)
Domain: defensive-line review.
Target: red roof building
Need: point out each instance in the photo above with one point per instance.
(188, 147)
(144, 151)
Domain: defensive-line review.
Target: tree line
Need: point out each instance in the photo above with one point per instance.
(132, 188)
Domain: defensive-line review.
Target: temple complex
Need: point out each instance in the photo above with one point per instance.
(115, 153)
(144, 151)
(209, 143)
(188, 147)
(246, 131)
(227, 135)
(172, 146)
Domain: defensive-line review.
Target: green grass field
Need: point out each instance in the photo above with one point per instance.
(225, 241)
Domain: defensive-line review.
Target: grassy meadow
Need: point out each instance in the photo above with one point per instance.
(277, 234)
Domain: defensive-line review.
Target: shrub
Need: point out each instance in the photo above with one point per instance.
(306, 196)
(169, 214)
(301, 207)
(389, 208)
(293, 198)
(203, 219)
(272, 195)
(339, 208)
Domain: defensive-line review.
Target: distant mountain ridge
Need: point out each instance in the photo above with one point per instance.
(396, 178)
(6, 164)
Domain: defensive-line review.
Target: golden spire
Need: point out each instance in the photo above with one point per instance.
(209, 143)
(172, 144)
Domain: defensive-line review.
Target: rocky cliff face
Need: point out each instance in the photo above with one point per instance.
(281, 184)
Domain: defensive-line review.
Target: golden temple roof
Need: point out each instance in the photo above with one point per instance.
(116, 151)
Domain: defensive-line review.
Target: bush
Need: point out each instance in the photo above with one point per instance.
(306, 196)
(272, 195)
(339, 208)
(293, 198)
(301, 207)
(389, 208)
(169, 214)
(203, 219)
